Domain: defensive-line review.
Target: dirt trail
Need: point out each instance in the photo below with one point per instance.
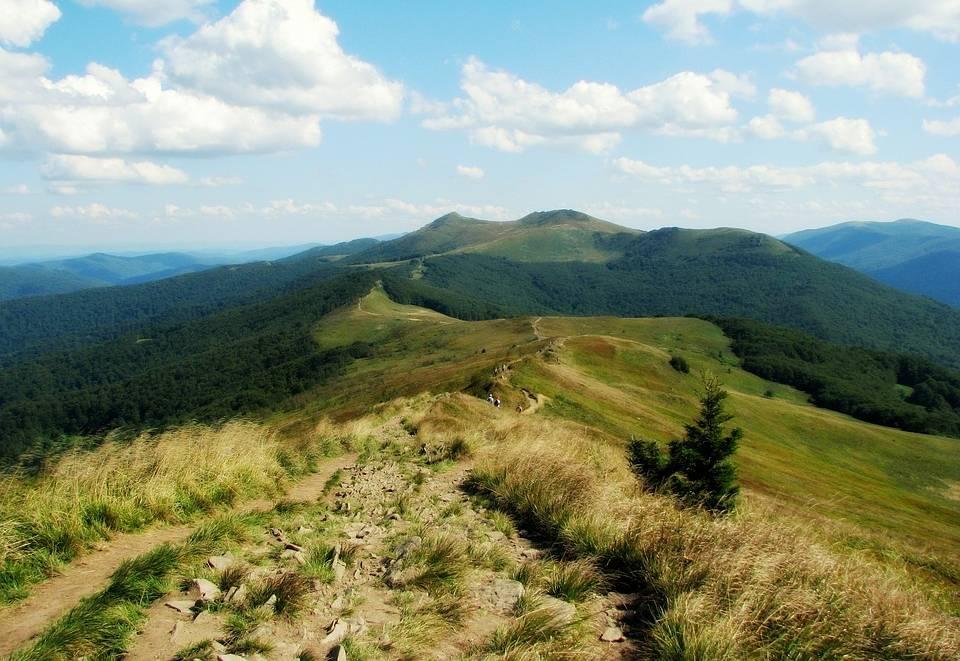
(86, 576)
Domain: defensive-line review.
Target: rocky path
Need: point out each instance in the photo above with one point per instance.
(397, 561)
(51, 599)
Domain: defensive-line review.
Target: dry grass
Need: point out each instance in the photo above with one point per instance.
(85, 496)
(755, 584)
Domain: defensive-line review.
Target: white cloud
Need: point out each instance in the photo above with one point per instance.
(471, 172)
(153, 13)
(281, 54)
(790, 106)
(845, 134)
(94, 211)
(19, 189)
(900, 74)
(948, 129)
(680, 19)
(24, 21)
(503, 111)
(259, 80)
(767, 127)
(74, 168)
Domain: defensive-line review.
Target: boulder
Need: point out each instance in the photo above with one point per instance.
(336, 632)
(503, 594)
(239, 595)
(338, 653)
(203, 591)
(612, 635)
(564, 609)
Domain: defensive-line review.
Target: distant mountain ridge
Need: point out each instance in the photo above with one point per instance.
(912, 255)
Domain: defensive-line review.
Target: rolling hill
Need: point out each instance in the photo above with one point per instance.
(96, 270)
(912, 255)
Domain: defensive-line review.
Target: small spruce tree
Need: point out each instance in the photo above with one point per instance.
(697, 468)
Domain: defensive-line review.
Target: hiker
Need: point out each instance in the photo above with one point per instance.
(519, 408)
(490, 397)
(496, 402)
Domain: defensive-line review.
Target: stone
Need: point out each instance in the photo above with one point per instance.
(563, 609)
(271, 602)
(219, 562)
(276, 532)
(503, 594)
(230, 657)
(532, 554)
(339, 569)
(290, 546)
(409, 545)
(300, 557)
(203, 590)
(397, 577)
(612, 635)
(304, 531)
(182, 606)
(336, 632)
(187, 634)
(239, 595)
(338, 653)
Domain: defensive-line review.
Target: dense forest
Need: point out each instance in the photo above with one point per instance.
(67, 321)
(241, 360)
(896, 390)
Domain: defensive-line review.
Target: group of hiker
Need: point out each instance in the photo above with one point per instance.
(496, 402)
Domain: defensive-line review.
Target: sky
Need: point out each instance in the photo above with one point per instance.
(130, 124)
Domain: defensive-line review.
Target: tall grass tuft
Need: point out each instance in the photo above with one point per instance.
(51, 518)
(752, 585)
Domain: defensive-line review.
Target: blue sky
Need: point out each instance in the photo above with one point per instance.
(192, 123)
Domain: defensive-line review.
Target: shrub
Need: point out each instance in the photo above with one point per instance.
(680, 364)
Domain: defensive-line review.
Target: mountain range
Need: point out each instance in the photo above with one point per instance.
(912, 255)
(242, 338)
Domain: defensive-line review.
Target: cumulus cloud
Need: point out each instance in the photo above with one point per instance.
(845, 134)
(767, 127)
(947, 129)
(74, 168)
(470, 172)
(899, 74)
(681, 19)
(281, 54)
(261, 79)
(154, 13)
(790, 106)
(503, 111)
(24, 21)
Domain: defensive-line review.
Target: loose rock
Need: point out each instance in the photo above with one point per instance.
(612, 635)
(203, 590)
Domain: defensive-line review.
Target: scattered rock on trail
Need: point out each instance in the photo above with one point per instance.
(230, 657)
(503, 594)
(336, 633)
(203, 590)
(564, 610)
(338, 653)
(182, 606)
(612, 635)
(219, 562)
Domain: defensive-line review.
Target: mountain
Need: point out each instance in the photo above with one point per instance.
(912, 255)
(723, 272)
(96, 270)
(549, 236)
(81, 318)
